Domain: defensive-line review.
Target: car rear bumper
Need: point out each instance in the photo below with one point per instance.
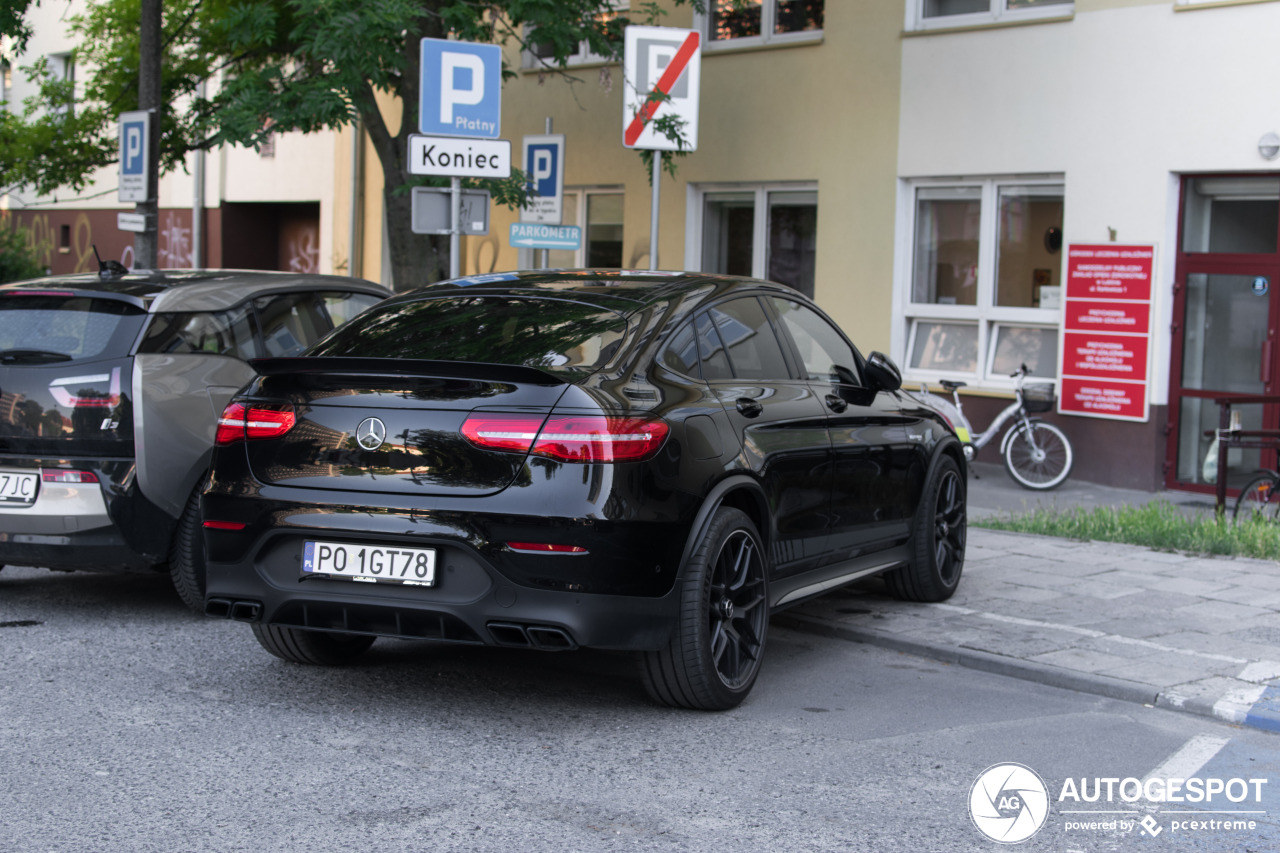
(104, 526)
(620, 593)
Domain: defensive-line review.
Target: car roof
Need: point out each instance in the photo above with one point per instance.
(193, 290)
(622, 291)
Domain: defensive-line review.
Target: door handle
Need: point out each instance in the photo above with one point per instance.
(836, 404)
(748, 407)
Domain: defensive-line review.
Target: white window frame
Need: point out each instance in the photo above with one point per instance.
(985, 314)
(527, 259)
(767, 37)
(999, 12)
(695, 207)
(531, 62)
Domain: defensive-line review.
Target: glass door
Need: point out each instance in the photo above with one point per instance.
(1226, 315)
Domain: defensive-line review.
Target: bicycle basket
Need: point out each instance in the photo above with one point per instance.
(1038, 397)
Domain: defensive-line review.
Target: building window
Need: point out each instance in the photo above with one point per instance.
(747, 23)
(62, 68)
(598, 212)
(542, 54)
(762, 231)
(983, 288)
(927, 14)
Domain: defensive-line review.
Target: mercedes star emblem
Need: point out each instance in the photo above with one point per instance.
(371, 433)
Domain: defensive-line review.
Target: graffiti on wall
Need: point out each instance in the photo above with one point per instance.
(302, 250)
(72, 251)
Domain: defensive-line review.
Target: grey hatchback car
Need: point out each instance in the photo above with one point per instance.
(110, 389)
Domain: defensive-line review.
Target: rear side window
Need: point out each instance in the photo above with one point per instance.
(290, 323)
(54, 328)
(754, 350)
(343, 306)
(552, 334)
(821, 347)
(227, 333)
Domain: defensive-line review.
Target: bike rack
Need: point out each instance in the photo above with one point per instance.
(1228, 438)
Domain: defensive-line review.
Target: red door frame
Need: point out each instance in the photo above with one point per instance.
(1188, 264)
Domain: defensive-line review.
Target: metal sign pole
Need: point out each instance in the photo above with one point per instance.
(653, 216)
(455, 231)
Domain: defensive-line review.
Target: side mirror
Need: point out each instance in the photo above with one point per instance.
(882, 373)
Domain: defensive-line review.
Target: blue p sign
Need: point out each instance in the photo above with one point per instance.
(132, 151)
(461, 89)
(541, 168)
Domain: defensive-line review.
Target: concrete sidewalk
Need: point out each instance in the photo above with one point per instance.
(1198, 634)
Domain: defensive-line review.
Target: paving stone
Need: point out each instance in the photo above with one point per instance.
(1221, 644)
(1191, 586)
(1018, 644)
(1165, 673)
(1113, 646)
(1269, 599)
(1040, 580)
(1081, 660)
(1211, 688)
(1223, 610)
(1257, 580)
(1101, 589)
(1025, 594)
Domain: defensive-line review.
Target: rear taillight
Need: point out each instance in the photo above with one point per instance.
(60, 475)
(76, 392)
(569, 438)
(253, 421)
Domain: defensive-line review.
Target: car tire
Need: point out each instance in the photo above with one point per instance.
(938, 539)
(186, 554)
(713, 657)
(319, 648)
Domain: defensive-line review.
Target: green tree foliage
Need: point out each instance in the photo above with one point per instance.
(305, 65)
(16, 259)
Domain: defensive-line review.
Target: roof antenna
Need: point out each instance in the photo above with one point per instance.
(108, 269)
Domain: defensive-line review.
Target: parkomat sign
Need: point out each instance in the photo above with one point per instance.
(1106, 339)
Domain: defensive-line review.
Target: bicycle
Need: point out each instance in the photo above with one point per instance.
(1036, 453)
(1259, 498)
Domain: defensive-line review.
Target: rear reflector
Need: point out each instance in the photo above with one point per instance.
(240, 422)
(545, 548)
(224, 525)
(569, 438)
(59, 475)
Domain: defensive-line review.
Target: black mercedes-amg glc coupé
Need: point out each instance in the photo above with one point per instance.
(557, 459)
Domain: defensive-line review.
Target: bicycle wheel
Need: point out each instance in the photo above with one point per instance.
(1038, 458)
(1258, 499)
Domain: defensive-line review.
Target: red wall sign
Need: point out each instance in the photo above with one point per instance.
(1106, 337)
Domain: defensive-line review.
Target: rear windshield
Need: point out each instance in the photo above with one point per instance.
(550, 334)
(52, 328)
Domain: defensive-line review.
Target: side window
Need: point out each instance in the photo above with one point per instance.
(227, 333)
(753, 347)
(715, 364)
(681, 353)
(343, 306)
(822, 348)
(290, 323)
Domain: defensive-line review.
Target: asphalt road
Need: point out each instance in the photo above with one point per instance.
(128, 724)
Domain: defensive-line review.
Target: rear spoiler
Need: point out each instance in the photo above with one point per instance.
(399, 367)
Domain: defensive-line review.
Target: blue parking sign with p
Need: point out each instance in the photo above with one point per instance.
(461, 92)
(542, 168)
(134, 134)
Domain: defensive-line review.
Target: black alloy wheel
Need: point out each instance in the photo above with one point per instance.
(713, 657)
(940, 531)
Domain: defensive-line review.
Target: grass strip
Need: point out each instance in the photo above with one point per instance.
(1159, 525)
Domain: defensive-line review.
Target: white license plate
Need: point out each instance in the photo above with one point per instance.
(18, 488)
(370, 563)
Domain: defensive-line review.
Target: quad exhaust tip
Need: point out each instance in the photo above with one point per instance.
(541, 637)
(240, 611)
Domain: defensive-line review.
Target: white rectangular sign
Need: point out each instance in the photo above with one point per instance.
(457, 157)
(431, 213)
(136, 222)
(543, 163)
(662, 70)
(135, 135)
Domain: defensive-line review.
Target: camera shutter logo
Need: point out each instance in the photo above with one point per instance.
(1009, 803)
(371, 433)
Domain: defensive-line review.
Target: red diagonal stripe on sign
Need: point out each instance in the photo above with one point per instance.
(665, 83)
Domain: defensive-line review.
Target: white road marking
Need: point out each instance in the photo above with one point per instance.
(1236, 703)
(1187, 761)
